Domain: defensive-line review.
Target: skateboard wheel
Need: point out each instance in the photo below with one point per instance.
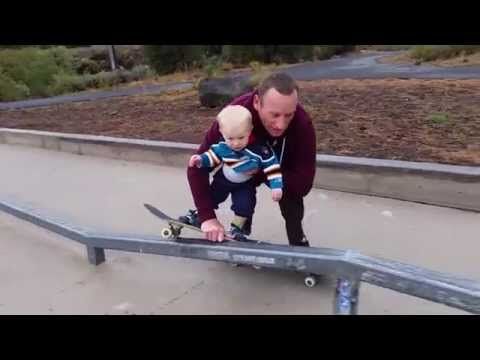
(310, 281)
(167, 233)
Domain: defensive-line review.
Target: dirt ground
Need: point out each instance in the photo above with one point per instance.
(413, 120)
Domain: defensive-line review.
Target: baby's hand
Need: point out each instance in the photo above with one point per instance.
(195, 160)
(277, 194)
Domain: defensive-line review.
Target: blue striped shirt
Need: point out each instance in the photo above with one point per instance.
(253, 157)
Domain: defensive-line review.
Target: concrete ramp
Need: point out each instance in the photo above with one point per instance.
(44, 274)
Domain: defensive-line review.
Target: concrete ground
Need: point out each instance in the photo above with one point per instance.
(43, 273)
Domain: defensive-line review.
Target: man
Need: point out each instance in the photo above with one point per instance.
(278, 120)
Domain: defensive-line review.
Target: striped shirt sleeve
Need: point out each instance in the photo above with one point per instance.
(212, 157)
(272, 170)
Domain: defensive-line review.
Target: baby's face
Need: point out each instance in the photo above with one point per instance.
(236, 139)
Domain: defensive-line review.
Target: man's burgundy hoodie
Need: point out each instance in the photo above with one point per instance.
(296, 150)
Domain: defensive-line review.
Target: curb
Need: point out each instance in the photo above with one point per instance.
(429, 183)
(95, 95)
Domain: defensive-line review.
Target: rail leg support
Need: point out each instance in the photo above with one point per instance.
(96, 256)
(346, 297)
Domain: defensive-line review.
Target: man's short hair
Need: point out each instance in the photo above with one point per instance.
(281, 82)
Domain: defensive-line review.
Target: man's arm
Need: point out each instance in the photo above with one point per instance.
(298, 176)
(198, 179)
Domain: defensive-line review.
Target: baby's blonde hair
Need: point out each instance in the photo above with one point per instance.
(234, 118)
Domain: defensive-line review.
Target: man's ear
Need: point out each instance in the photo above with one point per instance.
(256, 102)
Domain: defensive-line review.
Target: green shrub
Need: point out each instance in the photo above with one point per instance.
(87, 66)
(292, 53)
(439, 118)
(130, 57)
(166, 59)
(259, 73)
(385, 47)
(434, 52)
(12, 91)
(141, 72)
(62, 57)
(95, 60)
(68, 83)
(429, 53)
(38, 72)
(34, 67)
(212, 66)
(109, 79)
(322, 52)
(213, 50)
(243, 54)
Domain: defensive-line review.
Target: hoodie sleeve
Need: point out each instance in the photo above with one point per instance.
(199, 181)
(299, 173)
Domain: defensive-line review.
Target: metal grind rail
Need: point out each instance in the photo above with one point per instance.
(348, 267)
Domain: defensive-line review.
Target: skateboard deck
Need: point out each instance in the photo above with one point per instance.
(175, 226)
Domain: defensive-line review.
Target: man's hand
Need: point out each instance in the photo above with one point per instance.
(214, 231)
(195, 160)
(277, 194)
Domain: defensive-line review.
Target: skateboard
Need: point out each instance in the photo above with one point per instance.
(175, 226)
(174, 229)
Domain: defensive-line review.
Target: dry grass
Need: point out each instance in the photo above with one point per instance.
(405, 59)
(413, 120)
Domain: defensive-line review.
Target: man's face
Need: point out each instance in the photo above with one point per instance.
(276, 111)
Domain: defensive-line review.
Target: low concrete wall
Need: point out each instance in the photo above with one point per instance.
(430, 183)
(158, 152)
